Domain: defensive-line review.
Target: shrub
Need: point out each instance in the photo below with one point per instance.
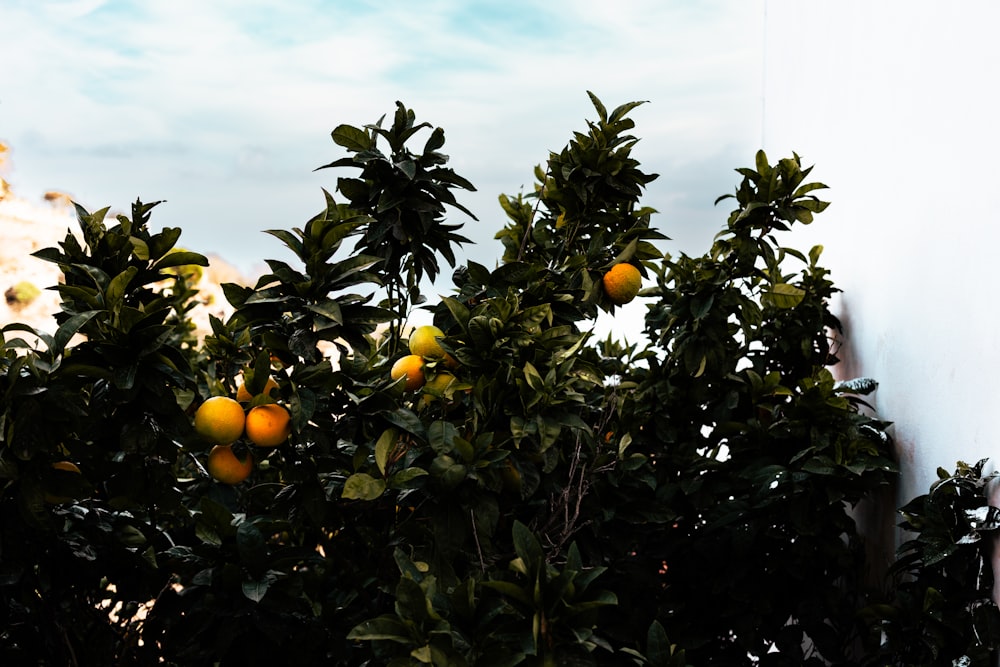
(940, 610)
(558, 500)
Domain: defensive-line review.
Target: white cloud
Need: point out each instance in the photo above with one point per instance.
(201, 98)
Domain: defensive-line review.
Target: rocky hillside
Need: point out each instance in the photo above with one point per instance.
(26, 227)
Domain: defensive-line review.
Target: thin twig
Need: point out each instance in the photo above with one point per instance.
(69, 644)
(527, 228)
(475, 535)
(572, 495)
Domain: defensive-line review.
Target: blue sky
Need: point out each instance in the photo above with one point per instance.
(224, 108)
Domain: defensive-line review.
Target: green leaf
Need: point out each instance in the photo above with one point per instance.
(602, 112)
(351, 138)
(402, 479)
(860, 385)
(329, 309)
(820, 465)
(9, 343)
(623, 109)
(181, 258)
(422, 654)
(255, 589)
(290, 240)
(808, 187)
(435, 141)
(384, 447)
(627, 254)
(385, 628)
(362, 486)
(235, 294)
(533, 316)
(68, 329)
(814, 254)
(571, 350)
(162, 243)
(785, 296)
(408, 167)
(406, 420)
(527, 547)
(353, 266)
(441, 435)
(116, 288)
(139, 248)
(548, 431)
(480, 334)
(411, 601)
(510, 590)
(532, 377)
(251, 546)
(701, 305)
(658, 647)
(762, 165)
(623, 444)
(355, 189)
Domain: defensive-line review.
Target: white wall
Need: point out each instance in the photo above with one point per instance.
(896, 104)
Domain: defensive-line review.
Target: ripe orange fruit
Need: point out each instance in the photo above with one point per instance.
(268, 425)
(412, 367)
(220, 420)
(622, 282)
(68, 466)
(243, 394)
(423, 342)
(226, 467)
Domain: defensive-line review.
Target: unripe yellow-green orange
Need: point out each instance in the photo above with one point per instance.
(437, 387)
(423, 342)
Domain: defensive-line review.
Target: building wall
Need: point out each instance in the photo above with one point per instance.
(896, 104)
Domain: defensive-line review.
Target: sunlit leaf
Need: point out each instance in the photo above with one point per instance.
(361, 486)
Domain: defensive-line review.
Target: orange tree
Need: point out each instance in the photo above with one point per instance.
(540, 498)
(108, 391)
(757, 453)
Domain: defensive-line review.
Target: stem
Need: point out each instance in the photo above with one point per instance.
(398, 300)
(527, 227)
(475, 535)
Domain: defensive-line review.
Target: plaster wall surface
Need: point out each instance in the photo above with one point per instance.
(896, 104)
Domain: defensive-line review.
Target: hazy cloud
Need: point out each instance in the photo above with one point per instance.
(202, 98)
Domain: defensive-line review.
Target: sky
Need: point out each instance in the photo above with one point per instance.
(224, 108)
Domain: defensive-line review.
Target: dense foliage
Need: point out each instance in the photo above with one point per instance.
(557, 500)
(942, 607)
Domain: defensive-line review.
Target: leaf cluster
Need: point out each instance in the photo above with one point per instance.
(940, 610)
(107, 391)
(584, 214)
(406, 196)
(755, 454)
